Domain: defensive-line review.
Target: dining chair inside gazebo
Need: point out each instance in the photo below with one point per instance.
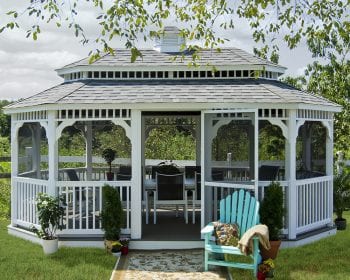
(170, 190)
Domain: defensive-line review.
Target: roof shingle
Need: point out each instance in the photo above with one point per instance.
(173, 91)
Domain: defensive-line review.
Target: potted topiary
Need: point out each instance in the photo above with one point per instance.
(271, 214)
(111, 216)
(49, 214)
(341, 197)
(109, 155)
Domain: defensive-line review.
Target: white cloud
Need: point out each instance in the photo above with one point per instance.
(20, 89)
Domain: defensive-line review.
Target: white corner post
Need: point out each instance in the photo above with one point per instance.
(251, 155)
(53, 153)
(136, 183)
(14, 169)
(290, 174)
(202, 169)
(88, 152)
(206, 162)
(198, 141)
(256, 153)
(329, 164)
(329, 147)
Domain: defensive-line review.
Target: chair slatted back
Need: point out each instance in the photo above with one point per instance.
(240, 208)
(72, 175)
(170, 187)
(268, 172)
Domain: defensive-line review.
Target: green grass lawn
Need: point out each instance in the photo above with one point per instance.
(326, 259)
(21, 259)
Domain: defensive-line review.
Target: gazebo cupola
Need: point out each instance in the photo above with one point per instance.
(170, 41)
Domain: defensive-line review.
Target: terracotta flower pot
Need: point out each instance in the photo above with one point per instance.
(110, 176)
(124, 250)
(260, 276)
(272, 253)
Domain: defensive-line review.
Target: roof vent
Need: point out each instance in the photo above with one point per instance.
(170, 41)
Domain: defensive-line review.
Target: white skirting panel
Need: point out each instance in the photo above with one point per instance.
(24, 234)
(309, 239)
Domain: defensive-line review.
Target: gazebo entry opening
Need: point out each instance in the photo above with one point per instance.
(171, 173)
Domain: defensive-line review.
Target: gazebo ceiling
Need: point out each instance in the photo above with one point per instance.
(225, 91)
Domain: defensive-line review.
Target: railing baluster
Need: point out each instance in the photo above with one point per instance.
(26, 206)
(19, 195)
(100, 205)
(127, 207)
(87, 207)
(94, 204)
(80, 208)
(67, 209)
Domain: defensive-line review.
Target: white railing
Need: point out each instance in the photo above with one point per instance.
(83, 201)
(314, 197)
(219, 190)
(26, 191)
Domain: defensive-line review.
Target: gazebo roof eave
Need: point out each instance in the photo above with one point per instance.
(155, 58)
(174, 106)
(165, 67)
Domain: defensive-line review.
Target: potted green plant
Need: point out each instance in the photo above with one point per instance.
(111, 216)
(341, 197)
(50, 214)
(109, 155)
(116, 248)
(271, 214)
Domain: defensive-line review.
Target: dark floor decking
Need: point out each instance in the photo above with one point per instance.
(171, 228)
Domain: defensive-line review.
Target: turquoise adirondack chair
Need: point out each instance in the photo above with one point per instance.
(240, 208)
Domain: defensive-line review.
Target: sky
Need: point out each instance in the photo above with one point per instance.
(27, 67)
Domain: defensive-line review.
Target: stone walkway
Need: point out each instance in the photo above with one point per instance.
(167, 265)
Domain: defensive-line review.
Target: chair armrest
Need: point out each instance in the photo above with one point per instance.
(208, 229)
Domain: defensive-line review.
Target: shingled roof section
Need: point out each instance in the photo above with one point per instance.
(174, 91)
(227, 56)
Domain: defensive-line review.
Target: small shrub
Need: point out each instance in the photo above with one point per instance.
(111, 213)
(272, 211)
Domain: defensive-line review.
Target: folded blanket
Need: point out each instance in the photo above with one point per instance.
(245, 245)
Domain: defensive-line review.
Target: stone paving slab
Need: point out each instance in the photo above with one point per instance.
(169, 265)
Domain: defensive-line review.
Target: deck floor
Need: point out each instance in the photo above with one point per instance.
(171, 228)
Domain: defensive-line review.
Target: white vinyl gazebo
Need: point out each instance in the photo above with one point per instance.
(154, 90)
